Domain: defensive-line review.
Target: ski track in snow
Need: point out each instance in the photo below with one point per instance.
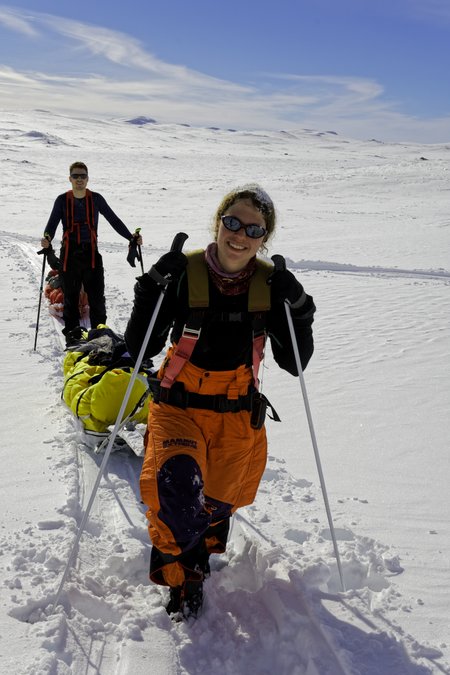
(271, 605)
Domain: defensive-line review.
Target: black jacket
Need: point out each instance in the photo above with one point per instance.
(223, 344)
(100, 204)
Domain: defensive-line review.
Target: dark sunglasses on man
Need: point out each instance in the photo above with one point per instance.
(83, 176)
(234, 225)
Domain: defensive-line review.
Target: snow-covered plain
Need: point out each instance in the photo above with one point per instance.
(366, 226)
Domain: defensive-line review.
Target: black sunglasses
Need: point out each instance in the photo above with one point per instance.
(234, 225)
(79, 175)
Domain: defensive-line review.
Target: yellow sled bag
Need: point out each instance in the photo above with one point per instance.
(96, 376)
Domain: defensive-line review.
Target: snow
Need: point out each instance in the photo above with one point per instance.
(365, 226)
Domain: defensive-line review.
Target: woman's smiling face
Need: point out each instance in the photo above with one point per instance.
(236, 249)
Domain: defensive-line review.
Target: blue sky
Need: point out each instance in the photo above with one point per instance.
(362, 68)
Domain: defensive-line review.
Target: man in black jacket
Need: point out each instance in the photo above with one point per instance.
(80, 261)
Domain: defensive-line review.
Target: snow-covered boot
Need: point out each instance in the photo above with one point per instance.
(192, 598)
(186, 600)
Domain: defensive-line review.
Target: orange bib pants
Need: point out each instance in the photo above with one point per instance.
(199, 467)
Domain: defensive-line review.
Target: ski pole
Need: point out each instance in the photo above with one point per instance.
(139, 248)
(280, 264)
(42, 252)
(177, 245)
(140, 258)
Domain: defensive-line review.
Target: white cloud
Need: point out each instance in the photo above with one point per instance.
(123, 50)
(337, 93)
(17, 21)
(432, 9)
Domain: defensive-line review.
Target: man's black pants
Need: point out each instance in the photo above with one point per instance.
(79, 272)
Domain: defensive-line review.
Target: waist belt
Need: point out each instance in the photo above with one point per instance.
(180, 398)
(83, 246)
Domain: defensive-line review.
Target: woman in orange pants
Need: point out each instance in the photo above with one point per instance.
(206, 442)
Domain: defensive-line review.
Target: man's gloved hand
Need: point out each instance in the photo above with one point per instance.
(137, 238)
(46, 244)
(284, 286)
(169, 267)
(133, 249)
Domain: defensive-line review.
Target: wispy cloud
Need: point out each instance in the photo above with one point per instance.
(407, 9)
(329, 92)
(431, 9)
(17, 21)
(124, 50)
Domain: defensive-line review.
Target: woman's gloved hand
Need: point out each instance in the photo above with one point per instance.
(169, 267)
(285, 286)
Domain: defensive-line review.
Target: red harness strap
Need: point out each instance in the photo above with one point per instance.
(73, 226)
(259, 342)
(185, 347)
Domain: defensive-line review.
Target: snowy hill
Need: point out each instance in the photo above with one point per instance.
(366, 227)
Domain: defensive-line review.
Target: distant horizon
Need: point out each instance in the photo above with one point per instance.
(144, 120)
(362, 71)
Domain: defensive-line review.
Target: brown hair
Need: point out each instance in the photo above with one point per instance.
(78, 165)
(260, 200)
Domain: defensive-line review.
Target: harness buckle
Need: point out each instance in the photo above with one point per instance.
(191, 333)
(221, 404)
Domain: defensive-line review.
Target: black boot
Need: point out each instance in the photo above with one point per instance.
(174, 604)
(74, 335)
(186, 600)
(192, 598)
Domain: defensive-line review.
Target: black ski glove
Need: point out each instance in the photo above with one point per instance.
(133, 251)
(45, 250)
(284, 286)
(169, 267)
(51, 256)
